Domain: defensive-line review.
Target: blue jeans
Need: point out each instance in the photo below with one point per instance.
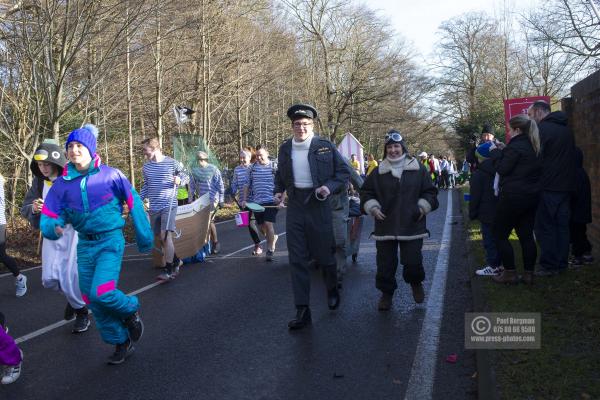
(492, 257)
(552, 229)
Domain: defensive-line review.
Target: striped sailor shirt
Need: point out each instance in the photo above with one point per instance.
(158, 185)
(261, 183)
(209, 180)
(240, 179)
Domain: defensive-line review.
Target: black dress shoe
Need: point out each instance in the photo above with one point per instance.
(302, 319)
(333, 299)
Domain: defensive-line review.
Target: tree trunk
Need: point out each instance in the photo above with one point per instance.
(158, 70)
(129, 104)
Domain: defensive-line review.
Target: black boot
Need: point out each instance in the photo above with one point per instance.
(122, 351)
(82, 320)
(302, 319)
(330, 276)
(333, 299)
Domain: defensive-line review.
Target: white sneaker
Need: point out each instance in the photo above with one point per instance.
(165, 275)
(21, 285)
(12, 373)
(257, 250)
(488, 271)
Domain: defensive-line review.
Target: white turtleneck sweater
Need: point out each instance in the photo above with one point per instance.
(301, 168)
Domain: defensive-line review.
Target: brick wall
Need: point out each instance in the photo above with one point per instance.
(583, 109)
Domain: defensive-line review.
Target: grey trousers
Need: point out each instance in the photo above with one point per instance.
(340, 233)
(309, 230)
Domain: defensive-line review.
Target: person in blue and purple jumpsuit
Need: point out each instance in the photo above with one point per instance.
(90, 196)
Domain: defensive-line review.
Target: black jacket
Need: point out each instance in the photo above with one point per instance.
(558, 153)
(327, 167)
(482, 205)
(34, 192)
(581, 199)
(518, 166)
(400, 200)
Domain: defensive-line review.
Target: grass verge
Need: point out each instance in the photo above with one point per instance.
(566, 367)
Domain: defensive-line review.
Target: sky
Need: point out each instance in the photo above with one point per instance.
(418, 20)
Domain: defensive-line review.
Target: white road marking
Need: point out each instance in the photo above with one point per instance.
(422, 374)
(40, 332)
(129, 257)
(58, 324)
(248, 247)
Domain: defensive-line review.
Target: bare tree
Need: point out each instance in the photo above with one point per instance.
(573, 25)
(465, 51)
(62, 31)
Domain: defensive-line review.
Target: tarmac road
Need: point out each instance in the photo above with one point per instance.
(219, 331)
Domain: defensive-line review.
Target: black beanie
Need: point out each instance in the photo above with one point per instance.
(487, 128)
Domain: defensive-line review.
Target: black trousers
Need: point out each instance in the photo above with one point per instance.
(516, 211)
(444, 180)
(309, 230)
(411, 258)
(5, 258)
(252, 227)
(579, 241)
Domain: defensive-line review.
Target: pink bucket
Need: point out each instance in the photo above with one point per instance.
(242, 218)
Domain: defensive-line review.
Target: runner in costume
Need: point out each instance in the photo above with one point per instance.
(59, 257)
(90, 196)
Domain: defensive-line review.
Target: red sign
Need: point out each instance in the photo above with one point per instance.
(514, 107)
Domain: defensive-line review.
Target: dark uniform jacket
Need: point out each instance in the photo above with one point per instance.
(482, 205)
(327, 167)
(558, 153)
(401, 200)
(518, 166)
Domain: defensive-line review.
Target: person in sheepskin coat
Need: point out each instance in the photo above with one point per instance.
(398, 194)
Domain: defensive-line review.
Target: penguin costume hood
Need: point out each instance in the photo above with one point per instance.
(49, 151)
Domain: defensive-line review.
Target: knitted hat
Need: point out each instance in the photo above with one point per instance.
(483, 150)
(487, 128)
(87, 136)
(49, 151)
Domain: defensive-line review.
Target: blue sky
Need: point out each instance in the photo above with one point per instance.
(418, 20)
